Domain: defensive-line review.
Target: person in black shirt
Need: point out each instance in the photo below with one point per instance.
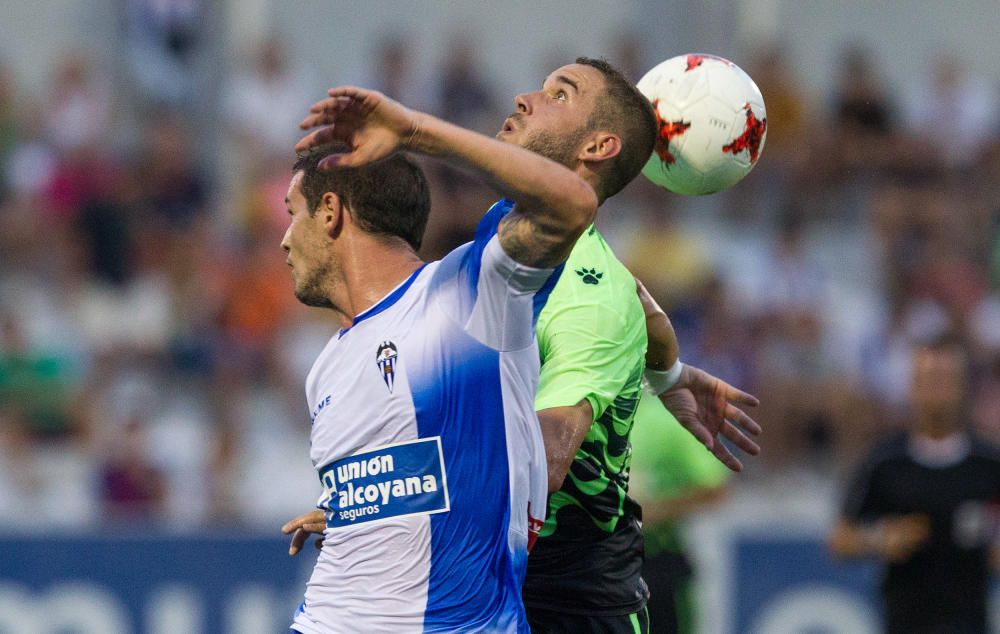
(925, 503)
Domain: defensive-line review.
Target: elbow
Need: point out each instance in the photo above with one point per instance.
(557, 476)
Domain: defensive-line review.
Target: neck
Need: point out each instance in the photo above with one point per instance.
(371, 267)
(937, 427)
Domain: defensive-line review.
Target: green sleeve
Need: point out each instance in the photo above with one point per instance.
(589, 351)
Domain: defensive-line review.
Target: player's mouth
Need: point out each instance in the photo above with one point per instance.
(508, 124)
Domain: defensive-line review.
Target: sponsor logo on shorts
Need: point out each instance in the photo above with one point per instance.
(391, 481)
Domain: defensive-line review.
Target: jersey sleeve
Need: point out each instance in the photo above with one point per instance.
(493, 297)
(590, 350)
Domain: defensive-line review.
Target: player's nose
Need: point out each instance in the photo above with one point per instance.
(522, 102)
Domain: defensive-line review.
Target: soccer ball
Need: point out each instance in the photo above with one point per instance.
(711, 124)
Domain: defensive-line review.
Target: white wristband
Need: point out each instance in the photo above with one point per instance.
(659, 381)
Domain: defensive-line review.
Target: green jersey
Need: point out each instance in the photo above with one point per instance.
(592, 340)
(668, 460)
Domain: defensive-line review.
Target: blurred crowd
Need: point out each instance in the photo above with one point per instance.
(152, 354)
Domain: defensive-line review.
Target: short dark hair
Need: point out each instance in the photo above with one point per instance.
(624, 110)
(389, 197)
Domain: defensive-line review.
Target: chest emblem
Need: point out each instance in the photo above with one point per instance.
(385, 358)
(590, 276)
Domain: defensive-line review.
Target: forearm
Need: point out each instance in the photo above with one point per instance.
(662, 349)
(682, 505)
(563, 431)
(852, 540)
(538, 186)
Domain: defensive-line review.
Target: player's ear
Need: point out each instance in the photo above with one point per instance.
(333, 214)
(601, 147)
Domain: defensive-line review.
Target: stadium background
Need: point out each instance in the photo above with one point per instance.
(153, 435)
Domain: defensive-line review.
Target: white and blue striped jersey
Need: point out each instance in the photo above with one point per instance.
(429, 451)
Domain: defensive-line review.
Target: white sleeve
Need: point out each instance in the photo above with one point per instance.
(504, 313)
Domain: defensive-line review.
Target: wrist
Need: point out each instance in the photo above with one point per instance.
(873, 538)
(412, 140)
(659, 381)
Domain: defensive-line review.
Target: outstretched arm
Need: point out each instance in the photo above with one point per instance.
(705, 405)
(894, 539)
(553, 205)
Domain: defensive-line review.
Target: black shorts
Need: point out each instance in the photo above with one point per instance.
(548, 622)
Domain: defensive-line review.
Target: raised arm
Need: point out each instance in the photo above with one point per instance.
(553, 205)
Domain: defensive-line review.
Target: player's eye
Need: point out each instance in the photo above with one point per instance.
(561, 95)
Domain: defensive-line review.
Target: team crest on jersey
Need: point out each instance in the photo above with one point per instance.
(385, 357)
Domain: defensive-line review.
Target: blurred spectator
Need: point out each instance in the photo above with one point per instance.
(264, 103)
(986, 403)
(78, 110)
(924, 504)
(392, 70)
(673, 477)
(173, 186)
(862, 105)
(464, 97)
(34, 384)
(956, 114)
(163, 36)
(8, 125)
(787, 108)
(19, 483)
(132, 489)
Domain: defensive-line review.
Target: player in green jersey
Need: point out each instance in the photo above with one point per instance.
(672, 477)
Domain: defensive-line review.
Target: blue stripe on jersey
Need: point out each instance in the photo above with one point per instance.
(384, 303)
(485, 231)
(463, 404)
(542, 294)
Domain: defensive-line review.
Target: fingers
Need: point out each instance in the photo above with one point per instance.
(741, 418)
(312, 519)
(360, 156)
(351, 92)
(734, 395)
(323, 136)
(325, 112)
(298, 539)
(739, 439)
(726, 457)
(301, 535)
(699, 431)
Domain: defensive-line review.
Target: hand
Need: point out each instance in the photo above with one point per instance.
(900, 537)
(370, 123)
(704, 405)
(302, 526)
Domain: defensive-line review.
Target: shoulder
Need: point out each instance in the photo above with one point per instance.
(595, 280)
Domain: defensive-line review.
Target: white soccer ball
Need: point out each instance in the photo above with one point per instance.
(711, 124)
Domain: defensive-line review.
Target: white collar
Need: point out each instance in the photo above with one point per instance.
(939, 453)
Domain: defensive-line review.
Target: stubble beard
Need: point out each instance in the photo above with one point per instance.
(559, 148)
(311, 291)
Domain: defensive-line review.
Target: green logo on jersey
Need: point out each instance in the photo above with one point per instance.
(590, 276)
